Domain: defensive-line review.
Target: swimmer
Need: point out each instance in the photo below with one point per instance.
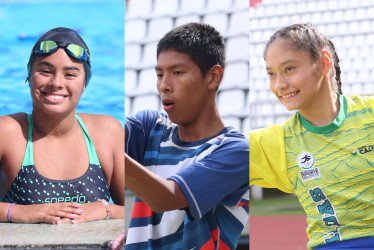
(57, 166)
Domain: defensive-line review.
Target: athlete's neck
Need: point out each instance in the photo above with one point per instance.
(205, 127)
(324, 111)
(53, 125)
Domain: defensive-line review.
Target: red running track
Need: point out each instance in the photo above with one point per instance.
(285, 232)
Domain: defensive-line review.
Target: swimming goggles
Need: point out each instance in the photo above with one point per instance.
(76, 51)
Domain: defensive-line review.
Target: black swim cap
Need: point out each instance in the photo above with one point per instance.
(65, 36)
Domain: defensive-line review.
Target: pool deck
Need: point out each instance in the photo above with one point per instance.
(89, 235)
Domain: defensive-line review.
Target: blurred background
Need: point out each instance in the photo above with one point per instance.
(147, 21)
(350, 26)
(99, 22)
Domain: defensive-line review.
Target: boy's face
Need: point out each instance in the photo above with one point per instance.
(182, 87)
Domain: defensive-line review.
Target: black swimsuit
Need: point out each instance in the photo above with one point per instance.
(29, 187)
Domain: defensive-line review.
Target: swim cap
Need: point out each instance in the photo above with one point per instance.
(64, 36)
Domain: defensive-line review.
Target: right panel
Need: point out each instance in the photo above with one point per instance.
(317, 161)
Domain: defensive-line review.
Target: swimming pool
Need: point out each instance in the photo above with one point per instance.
(99, 22)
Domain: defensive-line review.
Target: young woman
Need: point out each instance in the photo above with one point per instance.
(57, 166)
(325, 152)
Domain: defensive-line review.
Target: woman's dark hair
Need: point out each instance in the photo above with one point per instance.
(305, 37)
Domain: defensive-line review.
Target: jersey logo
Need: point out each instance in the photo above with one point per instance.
(310, 174)
(305, 160)
(366, 149)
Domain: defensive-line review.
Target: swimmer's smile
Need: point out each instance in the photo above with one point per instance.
(53, 97)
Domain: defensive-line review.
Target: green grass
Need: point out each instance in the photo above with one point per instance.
(282, 205)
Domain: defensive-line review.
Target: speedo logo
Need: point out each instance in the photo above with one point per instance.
(78, 199)
(365, 149)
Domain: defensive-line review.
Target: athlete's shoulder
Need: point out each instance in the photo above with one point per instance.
(147, 114)
(359, 102)
(233, 133)
(98, 118)
(13, 123)
(147, 118)
(267, 132)
(268, 139)
(13, 129)
(234, 140)
(100, 123)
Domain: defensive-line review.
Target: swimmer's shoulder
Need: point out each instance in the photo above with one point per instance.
(13, 131)
(13, 123)
(102, 124)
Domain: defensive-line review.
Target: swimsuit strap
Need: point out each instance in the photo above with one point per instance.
(29, 156)
(28, 159)
(90, 146)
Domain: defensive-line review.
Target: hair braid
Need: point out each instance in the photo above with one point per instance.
(336, 66)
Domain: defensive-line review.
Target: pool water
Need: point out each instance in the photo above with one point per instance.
(101, 25)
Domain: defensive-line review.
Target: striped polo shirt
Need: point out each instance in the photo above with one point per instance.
(213, 175)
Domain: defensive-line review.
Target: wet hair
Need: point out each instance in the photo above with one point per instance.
(201, 42)
(305, 37)
(61, 35)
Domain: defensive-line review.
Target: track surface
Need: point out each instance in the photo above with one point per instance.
(286, 232)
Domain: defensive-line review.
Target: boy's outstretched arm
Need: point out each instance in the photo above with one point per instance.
(159, 194)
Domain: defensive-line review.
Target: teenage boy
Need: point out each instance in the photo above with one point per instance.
(188, 171)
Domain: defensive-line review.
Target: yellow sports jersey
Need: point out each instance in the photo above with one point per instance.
(330, 168)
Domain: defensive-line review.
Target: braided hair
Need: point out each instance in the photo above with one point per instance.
(306, 37)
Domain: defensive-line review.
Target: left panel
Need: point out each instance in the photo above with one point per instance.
(85, 167)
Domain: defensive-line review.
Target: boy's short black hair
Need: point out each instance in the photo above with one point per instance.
(202, 42)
